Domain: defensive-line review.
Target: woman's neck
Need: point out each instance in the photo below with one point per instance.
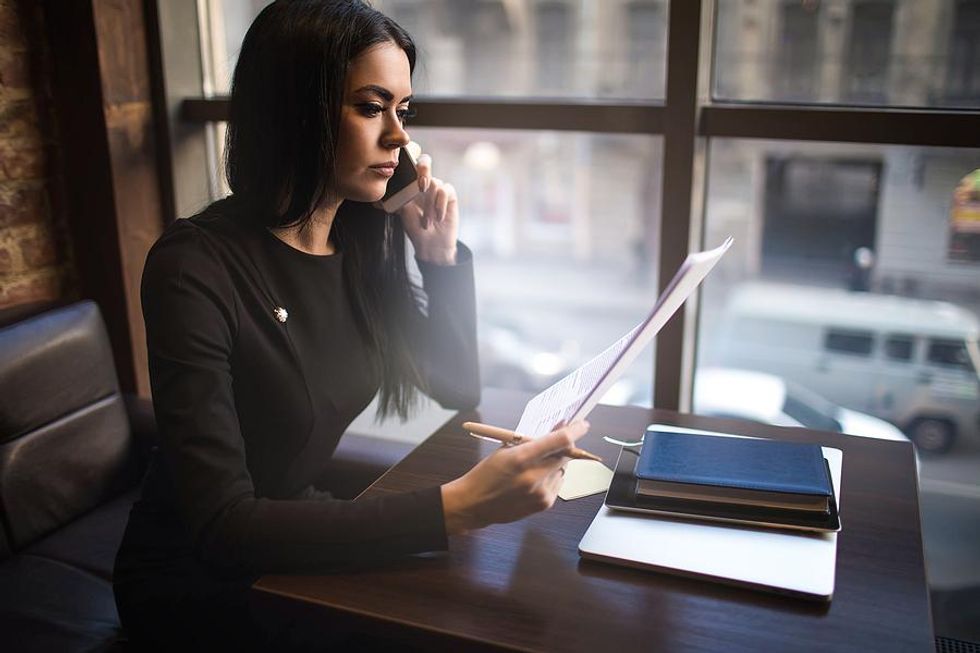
(314, 236)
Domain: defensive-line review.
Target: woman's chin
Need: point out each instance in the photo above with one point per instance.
(368, 193)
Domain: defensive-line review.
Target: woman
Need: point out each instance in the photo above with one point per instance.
(276, 314)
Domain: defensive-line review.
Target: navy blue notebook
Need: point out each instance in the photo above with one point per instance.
(764, 473)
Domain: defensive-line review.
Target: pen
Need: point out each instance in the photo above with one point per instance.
(511, 439)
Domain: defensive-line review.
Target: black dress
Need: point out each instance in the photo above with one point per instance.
(249, 406)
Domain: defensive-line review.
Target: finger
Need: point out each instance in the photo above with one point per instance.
(452, 200)
(424, 168)
(441, 204)
(555, 481)
(555, 442)
(557, 476)
(424, 165)
(429, 210)
(547, 465)
(422, 201)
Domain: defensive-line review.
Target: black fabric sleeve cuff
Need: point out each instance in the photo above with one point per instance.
(433, 272)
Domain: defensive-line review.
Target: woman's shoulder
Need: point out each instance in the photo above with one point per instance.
(186, 279)
(198, 242)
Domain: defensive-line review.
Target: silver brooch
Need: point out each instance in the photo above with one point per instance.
(281, 313)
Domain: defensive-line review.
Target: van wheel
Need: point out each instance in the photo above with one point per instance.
(932, 435)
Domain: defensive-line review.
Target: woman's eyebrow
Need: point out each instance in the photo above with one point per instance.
(381, 92)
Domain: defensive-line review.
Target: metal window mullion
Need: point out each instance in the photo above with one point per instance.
(926, 127)
(596, 117)
(699, 190)
(674, 354)
(570, 115)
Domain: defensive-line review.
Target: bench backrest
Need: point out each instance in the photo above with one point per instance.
(65, 442)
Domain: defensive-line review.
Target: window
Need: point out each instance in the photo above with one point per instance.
(949, 353)
(869, 51)
(554, 39)
(963, 71)
(796, 68)
(844, 208)
(581, 235)
(497, 48)
(647, 42)
(849, 342)
(818, 212)
(899, 348)
(486, 49)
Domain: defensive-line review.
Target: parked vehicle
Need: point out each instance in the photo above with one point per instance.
(912, 362)
(724, 392)
(762, 397)
(514, 357)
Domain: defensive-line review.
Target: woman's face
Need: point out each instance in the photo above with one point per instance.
(376, 96)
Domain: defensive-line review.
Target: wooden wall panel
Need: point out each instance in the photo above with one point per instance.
(106, 113)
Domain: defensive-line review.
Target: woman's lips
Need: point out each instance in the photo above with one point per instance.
(386, 170)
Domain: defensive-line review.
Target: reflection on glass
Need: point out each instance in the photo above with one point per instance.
(563, 228)
(868, 52)
(964, 242)
(843, 298)
(530, 48)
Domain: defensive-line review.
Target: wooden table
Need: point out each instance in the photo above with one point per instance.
(523, 585)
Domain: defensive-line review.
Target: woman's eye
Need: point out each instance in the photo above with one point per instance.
(405, 114)
(370, 109)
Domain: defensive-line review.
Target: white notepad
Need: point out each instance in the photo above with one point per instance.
(584, 478)
(786, 562)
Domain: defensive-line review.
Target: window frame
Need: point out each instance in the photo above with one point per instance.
(687, 119)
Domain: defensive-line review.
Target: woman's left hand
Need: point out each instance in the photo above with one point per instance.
(431, 220)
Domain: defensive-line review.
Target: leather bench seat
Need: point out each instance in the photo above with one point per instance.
(72, 452)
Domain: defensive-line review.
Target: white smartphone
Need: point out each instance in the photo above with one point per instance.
(403, 185)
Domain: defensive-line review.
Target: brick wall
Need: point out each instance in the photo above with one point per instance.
(35, 253)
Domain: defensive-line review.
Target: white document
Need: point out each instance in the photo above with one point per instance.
(573, 397)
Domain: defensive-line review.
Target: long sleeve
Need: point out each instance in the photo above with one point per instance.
(446, 335)
(192, 317)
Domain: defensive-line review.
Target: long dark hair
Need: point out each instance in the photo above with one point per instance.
(286, 99)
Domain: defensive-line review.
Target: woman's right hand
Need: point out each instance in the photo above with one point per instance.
(511, 483)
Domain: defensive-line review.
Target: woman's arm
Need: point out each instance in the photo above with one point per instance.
(510, 483)
(445, 338)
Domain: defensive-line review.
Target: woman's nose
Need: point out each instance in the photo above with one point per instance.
(396, 136)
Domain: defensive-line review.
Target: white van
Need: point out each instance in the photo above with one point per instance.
(912, 362)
